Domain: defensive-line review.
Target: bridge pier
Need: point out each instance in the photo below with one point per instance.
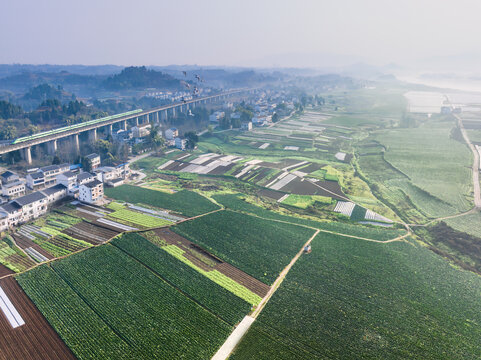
(52, 147)
(173, 112)
(110, 129)
(137, 121)
(93, 135)
(27, 155)
(76, 143)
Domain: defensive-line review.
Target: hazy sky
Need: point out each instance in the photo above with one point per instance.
(240, 32)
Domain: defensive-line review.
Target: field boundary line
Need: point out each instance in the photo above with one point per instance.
(397, 238)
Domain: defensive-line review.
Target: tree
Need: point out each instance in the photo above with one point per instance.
(102, 147)
(56, 160)
(192, 139)
(86, 166)
(8, 132)
(32, 129)
(275, 117)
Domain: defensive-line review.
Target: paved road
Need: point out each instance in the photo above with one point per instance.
(233, 339)
(475, 168)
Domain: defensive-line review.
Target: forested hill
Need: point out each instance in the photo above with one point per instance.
(139, 77)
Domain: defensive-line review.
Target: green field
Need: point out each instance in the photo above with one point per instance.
(136, 218)
(259, 247)
(470, 224)
(235, 202)
(434, 162)
(352, 299)
(106, 305)
(204, 291)
(185, 202)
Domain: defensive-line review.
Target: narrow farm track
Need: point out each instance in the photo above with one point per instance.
(398, 238)
(472, 211)
(226, 349)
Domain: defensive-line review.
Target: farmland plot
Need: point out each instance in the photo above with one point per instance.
(204, 291)
(259, 247)
(143, 316)
(235, 202)
(36, 339)
(186, 202)
(350, 299)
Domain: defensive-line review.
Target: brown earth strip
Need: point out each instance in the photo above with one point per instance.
(36, 340)
(209, 262)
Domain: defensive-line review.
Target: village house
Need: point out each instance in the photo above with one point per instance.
(180, 143)
(50, 172)
(13, 189)
(246, 126)
(91, 192)
(35, 181)
(171, 133)
(93, 160)
(141, 131)
(68, 179)
(84, 177)
(55, 193)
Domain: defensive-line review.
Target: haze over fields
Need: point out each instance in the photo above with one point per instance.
(243, 180)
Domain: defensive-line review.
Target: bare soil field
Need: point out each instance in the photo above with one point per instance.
(272, 194)
(36, 340)
(5, 270)
(91, 233)
(24, 243)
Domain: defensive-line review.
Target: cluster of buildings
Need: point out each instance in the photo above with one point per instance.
(49, 184)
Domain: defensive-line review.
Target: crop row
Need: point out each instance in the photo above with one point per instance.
(155, 319)
(235, 202)
(394, 301)
(216, 276)
(192, 282)
(137, 218)
(185, 202)
(261, 248)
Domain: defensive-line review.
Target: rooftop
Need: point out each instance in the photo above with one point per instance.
(36, 175)
(30, 198)
(10, 207)
(69, 174)
(92, 183)
(13, 183)
(49, 168)
(91, 156)
(84, 175)
(54, 189)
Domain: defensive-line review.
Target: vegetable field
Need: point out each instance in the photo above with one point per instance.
(259, 247)
(125, 310)
(197, 286)
(185, 202)
(136, 218)
(235, 202)
(356, 299)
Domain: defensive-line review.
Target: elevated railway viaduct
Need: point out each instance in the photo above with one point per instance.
(155, 115)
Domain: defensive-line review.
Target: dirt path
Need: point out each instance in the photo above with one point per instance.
(398, 238)
(472, 211)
